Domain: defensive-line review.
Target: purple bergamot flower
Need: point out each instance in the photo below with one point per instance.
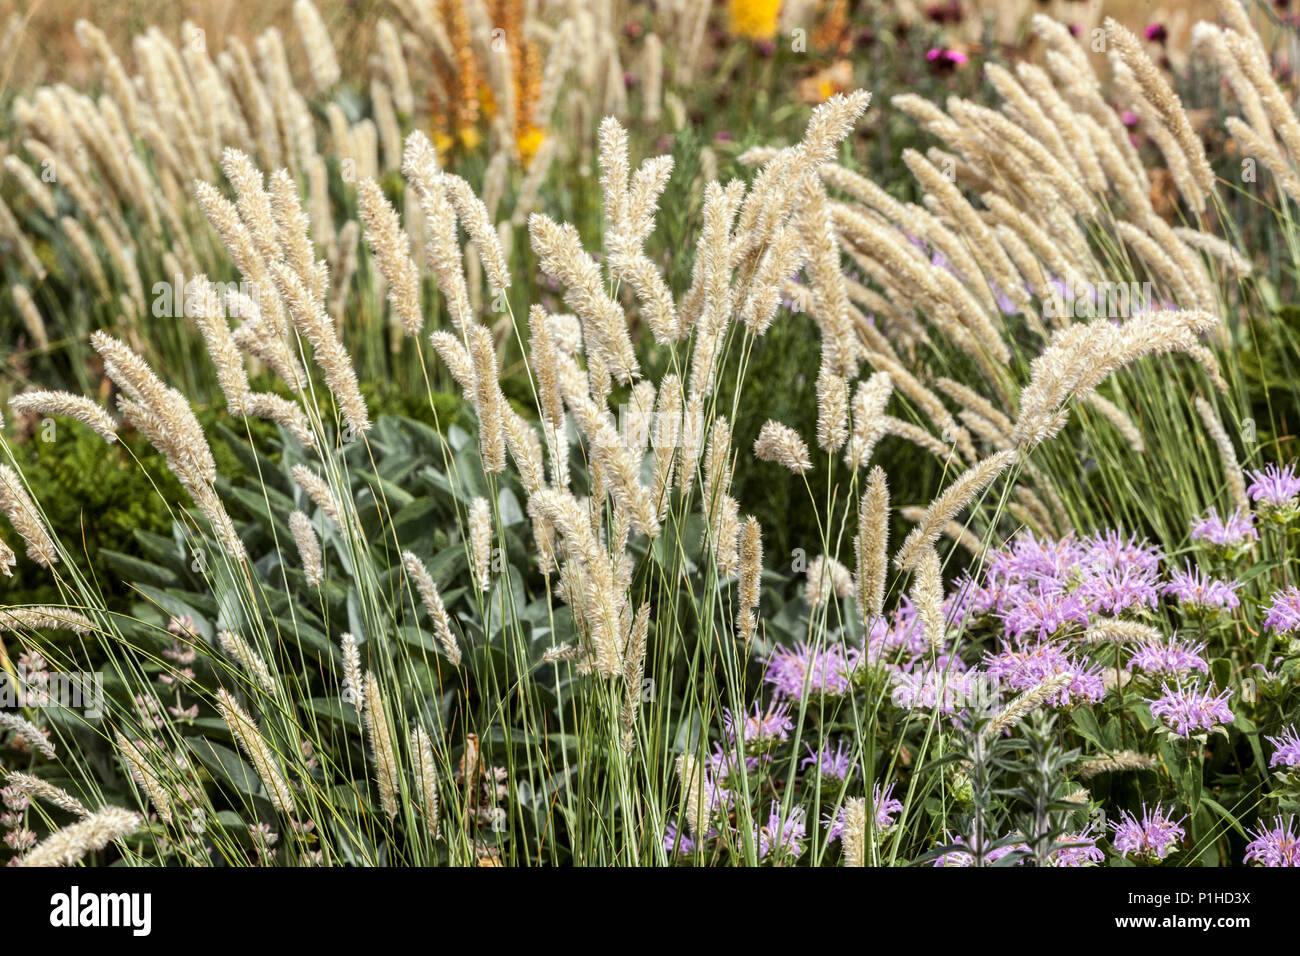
(1022, 666)
(1187, 710)
(1231, 536)
(781, 837)
(883, 804)
(963, 857)
(678, 842)
(832, 765)
(1197, 591)
(1115, 590)
(943, 687)
(1084, 852)
(1043, 610)
(1111, 549)
(1275, 847)
(825, 672)
(1274, 491)
(1283, 615)
(1171, 657)
(1287, 752)
(761, 729)
(1152, 838)
(725, 763)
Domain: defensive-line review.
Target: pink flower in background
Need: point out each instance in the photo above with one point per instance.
(833, 764)
(945, 59)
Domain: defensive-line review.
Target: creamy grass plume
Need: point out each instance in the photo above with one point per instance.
(76, 841)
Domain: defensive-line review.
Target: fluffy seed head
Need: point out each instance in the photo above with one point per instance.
(381, 746)
(65, 847)
(782, 444)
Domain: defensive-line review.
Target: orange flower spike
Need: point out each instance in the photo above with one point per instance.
(464, 103)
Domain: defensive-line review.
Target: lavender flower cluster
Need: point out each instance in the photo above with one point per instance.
(1081, 620)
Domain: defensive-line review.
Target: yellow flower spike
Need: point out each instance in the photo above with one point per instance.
(469, 137)
(443, 143)
(530, 141)
(487, 103)
(757, 20)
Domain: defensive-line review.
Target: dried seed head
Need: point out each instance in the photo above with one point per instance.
(28, 733)
(927, 596)
(23, 514)
(353, 688)
(381, 747)
(251, 661)
(1119, 631)
(34, 786)
(871, 545)
(694, 794)
(1028, 702)
(945, 507)
(854, 839)
(1227, 455)
(309, 552)
(143, 774)
(723, 534)
(391, 247)
(72, 843)
(480, 543)
(321, 61)
(826, 577)
(45, 618)
(1164, 99)
(312, 323)
(561, 256)
(426, 775)
(319, 491)
(717, 465)
(42, 402)
(1081, 356)
(488, 400)
(614, 172)
(633, 667)
(868, 408)
(832, 410)
(1116, 416)
(474, 217)
(782, 444)
(244, 729)
(751, 563)
(432, 602)
(1121, 760)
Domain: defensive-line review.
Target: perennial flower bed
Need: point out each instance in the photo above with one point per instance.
(999, 570)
